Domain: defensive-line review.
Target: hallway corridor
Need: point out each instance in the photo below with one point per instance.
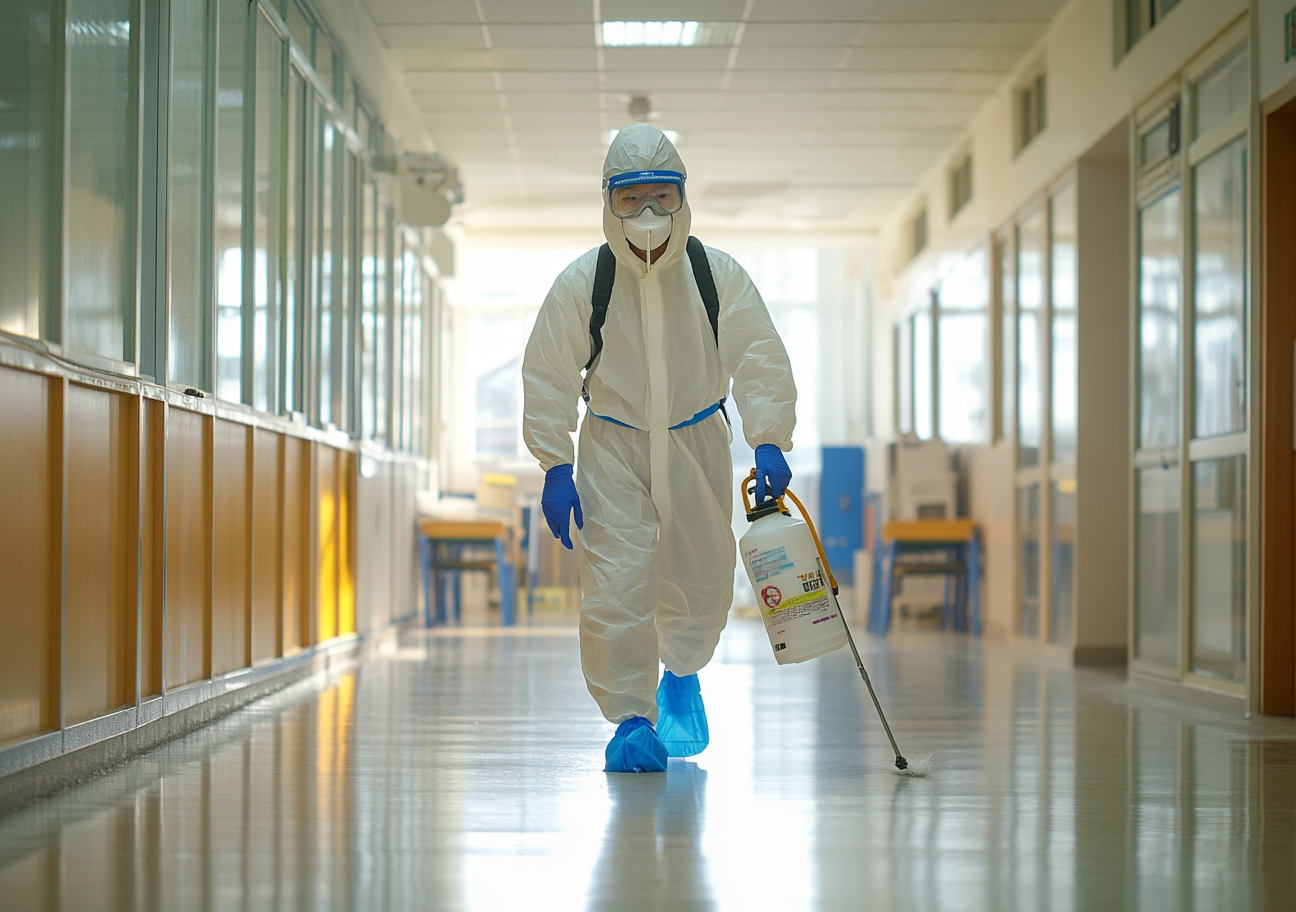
(462, 770)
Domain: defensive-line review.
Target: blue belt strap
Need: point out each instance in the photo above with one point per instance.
(700, 416)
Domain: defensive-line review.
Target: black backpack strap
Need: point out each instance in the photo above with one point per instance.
(604, 276)
(705, 283)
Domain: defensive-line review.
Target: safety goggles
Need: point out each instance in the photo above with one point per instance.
(631, 193)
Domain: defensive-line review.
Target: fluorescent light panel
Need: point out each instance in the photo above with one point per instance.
(668, 34)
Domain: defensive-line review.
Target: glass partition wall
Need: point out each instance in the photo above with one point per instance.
(1039, 302)
(1190, 463)
(206, 208)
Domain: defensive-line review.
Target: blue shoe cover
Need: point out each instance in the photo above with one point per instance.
(681, 717)
(635, 748)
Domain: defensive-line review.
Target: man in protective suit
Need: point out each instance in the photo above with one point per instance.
(654, 495)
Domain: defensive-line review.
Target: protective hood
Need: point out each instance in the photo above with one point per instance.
(640, 147)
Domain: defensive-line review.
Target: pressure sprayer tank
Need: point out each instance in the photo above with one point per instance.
(793, 588)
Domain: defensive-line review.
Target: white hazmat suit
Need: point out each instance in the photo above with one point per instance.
(658, 565)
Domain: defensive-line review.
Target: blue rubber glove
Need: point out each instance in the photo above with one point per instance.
(558, 501)
(771, 469)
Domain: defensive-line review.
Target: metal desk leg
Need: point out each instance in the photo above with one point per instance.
(875, 588)
(974, 580)
(949, 599)
(508, 591)
(889, 551)
(425, 553)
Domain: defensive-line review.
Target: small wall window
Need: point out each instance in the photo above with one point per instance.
(960, 184)
(1135, 18)
(918, 233)
(1031, 110)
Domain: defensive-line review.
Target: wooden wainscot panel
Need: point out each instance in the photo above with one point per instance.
(30, 545)
(327, 509)
(267, 546)
(297, 496)
(231, 586)
(102, 541)
(188, 548)
(152, 525)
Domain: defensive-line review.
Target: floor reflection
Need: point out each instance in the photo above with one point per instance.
(464, 772)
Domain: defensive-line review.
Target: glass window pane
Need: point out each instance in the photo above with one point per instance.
(299, 26)
(382, 333)
(324, 60)
(1028, 564)
(100, 202)
(348, 312)
(904, 376)
(1008, 344)
(368, 305)
(1219, 568)
(1221, 93)
(324, 277)
(228, 234)
(26, 131)
(1063, 541)
(1030, 315)
(1154, 145)
(1157, 599)
(963, 400)
(266, 227)
(1065, 366)
(1159, 276)
(294, 311)
(188, 352)
(922, 382)
(1219, 240)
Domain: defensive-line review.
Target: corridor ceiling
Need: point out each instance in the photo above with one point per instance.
(807, 114)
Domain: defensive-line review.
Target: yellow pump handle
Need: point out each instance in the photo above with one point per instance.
(751, 476)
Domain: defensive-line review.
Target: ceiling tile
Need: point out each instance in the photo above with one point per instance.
(812, 11)
(766, 58)
(809, 81)
(967, 10)
(538, 10)
(450, 83)
(439, 121)
(640, 80)
(665, 59)
(799, 34)
(554, 102)
(1013, 34)
(673, 10)
(574, 35)
(543, 81)
(924, 34)
(450, 102)
(387, 12)
(432, 36)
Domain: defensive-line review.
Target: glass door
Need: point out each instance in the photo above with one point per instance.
(1047, 412)
(1190, 463)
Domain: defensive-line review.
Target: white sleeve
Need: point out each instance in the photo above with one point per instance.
(753, 354)
(551, 371)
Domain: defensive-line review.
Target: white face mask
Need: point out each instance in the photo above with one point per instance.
(648, 230)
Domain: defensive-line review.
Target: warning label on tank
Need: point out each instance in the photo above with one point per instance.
(770, 563)
(799, 606)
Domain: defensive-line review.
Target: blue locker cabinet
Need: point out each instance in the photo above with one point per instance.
(841, 509)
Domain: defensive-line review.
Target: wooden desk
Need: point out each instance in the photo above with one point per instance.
(442, 542)
(934, 547)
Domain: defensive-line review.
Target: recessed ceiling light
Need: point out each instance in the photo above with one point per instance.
(668, 34)
(672, 135)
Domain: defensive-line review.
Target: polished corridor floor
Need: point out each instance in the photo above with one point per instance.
(463, 771)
